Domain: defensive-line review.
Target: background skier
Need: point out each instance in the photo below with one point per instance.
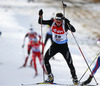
(97, 65)
(31, 34)
(35, 47)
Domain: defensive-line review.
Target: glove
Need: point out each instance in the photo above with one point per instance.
(64, 5)
(41, 12)
(28, 52)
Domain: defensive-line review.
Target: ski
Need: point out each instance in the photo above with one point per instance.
(47, 83)
(25, 67)
(88, 85)
(20, 67)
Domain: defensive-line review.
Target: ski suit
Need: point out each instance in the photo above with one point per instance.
(31, 36)
(96, 66)
(59, 36)
(35, 47)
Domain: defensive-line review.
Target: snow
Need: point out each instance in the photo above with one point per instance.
(16, 21)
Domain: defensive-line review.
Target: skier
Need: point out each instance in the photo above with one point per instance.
(59, 35)
(49, 36)
(31, 34)
(35, 47)
(97, 65)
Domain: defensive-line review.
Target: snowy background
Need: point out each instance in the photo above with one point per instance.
(16, 16)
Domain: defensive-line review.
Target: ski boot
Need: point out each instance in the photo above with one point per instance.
(50, 78)
(88, 80)
(75, 81)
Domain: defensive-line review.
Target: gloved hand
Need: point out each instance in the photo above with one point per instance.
(64, 5)
(28, 52)
(40, 12)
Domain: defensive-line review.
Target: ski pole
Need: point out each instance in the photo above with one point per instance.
(82, 53)
(90, 66)
(42, 48)
(64, 6)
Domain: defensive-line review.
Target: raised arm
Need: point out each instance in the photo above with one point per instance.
(41, 21)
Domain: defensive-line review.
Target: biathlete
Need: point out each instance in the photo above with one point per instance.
(34, 45)
(31, 34)
(59, 27)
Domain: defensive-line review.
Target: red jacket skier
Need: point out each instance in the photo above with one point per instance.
(34, 45)
(31, 34)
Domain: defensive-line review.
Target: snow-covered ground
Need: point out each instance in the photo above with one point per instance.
(15, 21)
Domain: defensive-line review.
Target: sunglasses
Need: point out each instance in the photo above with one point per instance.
(58, 21)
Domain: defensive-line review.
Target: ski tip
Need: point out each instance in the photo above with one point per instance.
(20, 67)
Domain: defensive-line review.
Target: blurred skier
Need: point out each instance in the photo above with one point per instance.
(49, 36)
(59, 28)
(97, 65)
(31, 34)
(35, 47)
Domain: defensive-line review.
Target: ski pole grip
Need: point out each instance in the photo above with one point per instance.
(64, 5)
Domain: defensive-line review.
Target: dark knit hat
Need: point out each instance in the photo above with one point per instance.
(59, 16)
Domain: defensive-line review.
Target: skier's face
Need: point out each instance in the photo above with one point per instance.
(58, 22)
(35, 42)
